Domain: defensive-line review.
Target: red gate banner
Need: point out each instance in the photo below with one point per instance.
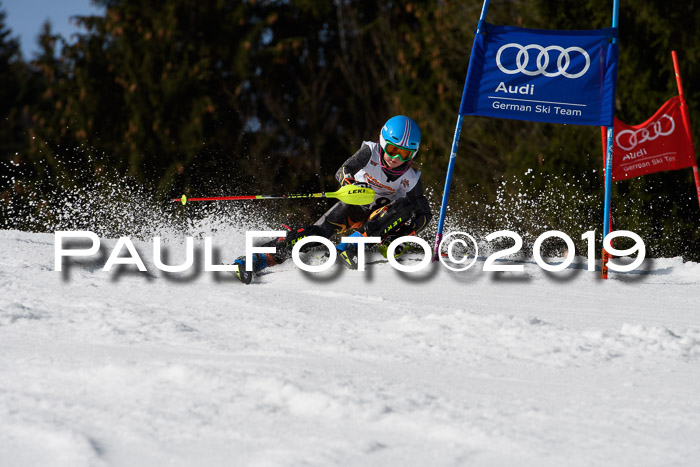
(661, 143)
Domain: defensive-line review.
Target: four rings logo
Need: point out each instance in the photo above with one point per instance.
(629, 139)
(542, 60)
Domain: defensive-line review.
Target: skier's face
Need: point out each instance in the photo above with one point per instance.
(392, 163)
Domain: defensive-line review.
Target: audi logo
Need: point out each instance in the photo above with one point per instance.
(633, 138)
(542, 60)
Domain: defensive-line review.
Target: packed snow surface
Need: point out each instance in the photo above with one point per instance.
(344, 367)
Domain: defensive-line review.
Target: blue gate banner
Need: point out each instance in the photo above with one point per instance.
(542, 75)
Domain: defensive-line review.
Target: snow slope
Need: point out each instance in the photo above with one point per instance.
(344, 367)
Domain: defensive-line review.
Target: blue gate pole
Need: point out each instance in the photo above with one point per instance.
(446, 192)
(608, 168)
(453, 151)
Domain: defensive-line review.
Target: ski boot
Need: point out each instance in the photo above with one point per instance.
(398, 251)
(348, 252)
(260, 262)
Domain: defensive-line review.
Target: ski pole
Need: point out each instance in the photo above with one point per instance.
(349, 194)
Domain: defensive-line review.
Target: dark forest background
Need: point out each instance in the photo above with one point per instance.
(268, 97)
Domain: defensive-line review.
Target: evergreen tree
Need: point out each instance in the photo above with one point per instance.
(51, 138)
(273, 96)
(14, 81)
(661, 207)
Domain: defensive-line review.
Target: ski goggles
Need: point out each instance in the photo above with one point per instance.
(396, 152)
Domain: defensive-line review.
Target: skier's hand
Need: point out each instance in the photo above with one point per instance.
(347, 181)
(352, 181)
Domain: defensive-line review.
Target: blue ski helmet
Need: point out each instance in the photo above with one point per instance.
(399, 138)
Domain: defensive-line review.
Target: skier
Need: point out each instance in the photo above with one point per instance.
(400, 207)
